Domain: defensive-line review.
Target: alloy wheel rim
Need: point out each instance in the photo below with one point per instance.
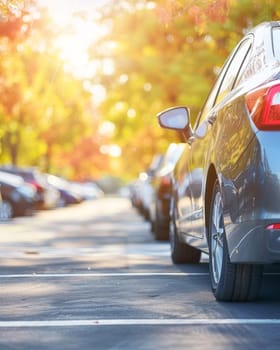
(217, 233)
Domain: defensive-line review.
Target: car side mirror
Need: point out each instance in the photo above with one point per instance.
(176, 118)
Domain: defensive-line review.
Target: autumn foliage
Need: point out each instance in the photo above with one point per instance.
(152, 55)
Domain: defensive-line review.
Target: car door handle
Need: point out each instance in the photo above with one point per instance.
(212, 118)
(190, 140)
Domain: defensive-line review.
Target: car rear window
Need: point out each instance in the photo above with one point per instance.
(276, 42)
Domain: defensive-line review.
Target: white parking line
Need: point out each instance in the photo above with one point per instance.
(118, 274)
(126, 274)
(139, 322)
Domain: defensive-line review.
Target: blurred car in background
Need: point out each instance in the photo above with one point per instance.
(47, 196)
(67, 195)
(226, 199)
(161, 184)
(1, 205)
(142, 189)
(18, 197)
(134, 194)
(87, 190)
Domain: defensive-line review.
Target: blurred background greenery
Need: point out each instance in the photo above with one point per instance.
(80, 86)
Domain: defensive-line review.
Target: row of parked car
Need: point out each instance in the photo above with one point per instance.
(152, 191)
(25, 190)
(222, 195)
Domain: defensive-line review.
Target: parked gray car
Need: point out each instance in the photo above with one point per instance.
(226, 186)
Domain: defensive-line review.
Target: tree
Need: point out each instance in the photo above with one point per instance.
(43, 109)
(151, 56)
(166, 53)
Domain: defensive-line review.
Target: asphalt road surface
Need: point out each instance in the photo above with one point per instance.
(91, 276)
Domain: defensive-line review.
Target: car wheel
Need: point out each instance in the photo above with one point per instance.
(230, 282)
(181, 253)
(6, 211)
(161, 232)
(161, 228)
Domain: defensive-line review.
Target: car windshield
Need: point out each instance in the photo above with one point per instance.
(276, 42)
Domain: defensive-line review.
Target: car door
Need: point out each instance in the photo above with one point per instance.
(182, 189)
(205, 136)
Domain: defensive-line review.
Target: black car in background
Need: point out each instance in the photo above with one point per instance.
(18, 197)
(226, 185)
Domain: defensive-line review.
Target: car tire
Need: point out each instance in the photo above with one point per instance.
(230, 282)
(181, 253)
(161, 232)
(160, 228)
(6, 211)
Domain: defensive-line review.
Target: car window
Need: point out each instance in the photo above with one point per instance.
(228, 77)
(234, 70)
(276, 42)
(210, 99)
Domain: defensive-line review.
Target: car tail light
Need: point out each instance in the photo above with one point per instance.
(37, 186)
(264, 107)
(165, 181)
(273, 227)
